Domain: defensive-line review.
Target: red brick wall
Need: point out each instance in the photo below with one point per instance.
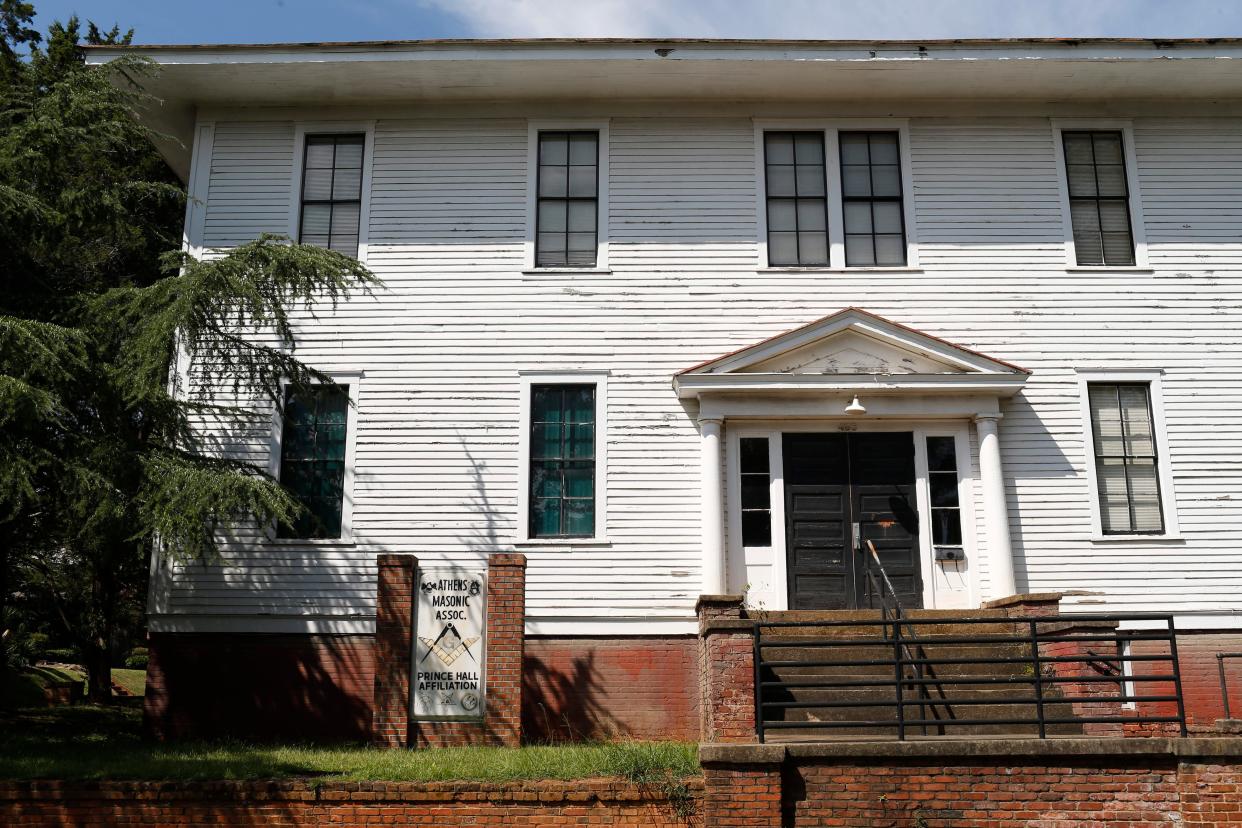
(742, 795)
(728, 687)
(599, 688)
(1196, 655)
(1109, 794)
(394, 641)
(345, 805)
(316, 687)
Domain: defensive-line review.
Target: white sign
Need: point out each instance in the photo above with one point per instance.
(449, 643)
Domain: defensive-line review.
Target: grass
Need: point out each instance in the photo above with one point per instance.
(135, 681)
(87, 742)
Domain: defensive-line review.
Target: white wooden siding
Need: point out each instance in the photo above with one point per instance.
(443, 342)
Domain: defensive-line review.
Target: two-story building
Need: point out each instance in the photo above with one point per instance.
(675, 318)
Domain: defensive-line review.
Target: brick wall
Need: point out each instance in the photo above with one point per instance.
(506, 627)
(726, 670)
(344, 805)
(315, 687)
(394, 641)
(1196, 655)
(982, 784)
(600, 688)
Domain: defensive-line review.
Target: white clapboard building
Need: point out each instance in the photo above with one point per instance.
(699, 317)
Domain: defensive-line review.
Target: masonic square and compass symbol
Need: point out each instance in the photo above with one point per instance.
(449, 645)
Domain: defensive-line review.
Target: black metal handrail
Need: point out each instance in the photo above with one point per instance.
(1224, 686)
(919, 667)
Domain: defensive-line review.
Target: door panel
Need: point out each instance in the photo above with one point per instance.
(832, 481)
(817, 518)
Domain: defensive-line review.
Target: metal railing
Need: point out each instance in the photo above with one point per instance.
(915, 664)
(1224, 686)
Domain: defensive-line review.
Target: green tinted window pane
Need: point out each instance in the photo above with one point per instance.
(545, 518)
(580, 404)
(579, 517)
(545, 440)
(582, 442)
(312, 464)
(580, 482)
(545, 404)
(546, 480)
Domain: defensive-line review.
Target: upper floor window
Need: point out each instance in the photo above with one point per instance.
(313, 458)
(567, 221)
(871, 195)
(797, 198)
(1126, 465)
(562, 461)
(332, 192)
(1099, 197)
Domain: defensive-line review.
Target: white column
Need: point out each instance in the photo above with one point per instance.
(995, 512)
(712, 494)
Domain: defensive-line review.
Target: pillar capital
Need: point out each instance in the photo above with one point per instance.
(711, 421)
(990, 417)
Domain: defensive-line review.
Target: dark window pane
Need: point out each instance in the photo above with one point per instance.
(943, 489)
(872, 198)
(756, 529)
(754, 455)
(755, 491)
(312, 458)
(946, 527)
(794, 169)
(941, 454)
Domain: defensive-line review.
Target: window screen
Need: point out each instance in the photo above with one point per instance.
(568, 199)
(756, 492)
(797, 200)
(312, 458)
(562, 461)
(1095, 168)
(872, 199)
(946, 513)
(1126, 466)
(332, 192)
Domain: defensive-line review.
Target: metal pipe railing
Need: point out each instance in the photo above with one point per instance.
(1224, 685)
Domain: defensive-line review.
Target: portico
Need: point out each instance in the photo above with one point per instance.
(849, 429)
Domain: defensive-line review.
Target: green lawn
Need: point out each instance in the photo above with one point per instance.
(135, 681)
(87, 742)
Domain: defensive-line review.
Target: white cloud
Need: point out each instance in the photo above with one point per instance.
(841, 19)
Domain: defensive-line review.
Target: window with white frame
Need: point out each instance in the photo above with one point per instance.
(1099, 197)
(562, 458)
(1127, 464)
(755, 476)
(942, 484)
(835, 194)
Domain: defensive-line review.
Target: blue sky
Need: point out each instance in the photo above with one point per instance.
(264, 21)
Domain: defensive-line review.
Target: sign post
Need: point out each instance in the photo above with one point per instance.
(450, 644)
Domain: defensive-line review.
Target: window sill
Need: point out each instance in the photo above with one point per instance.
(828, 269)
(1139, 539)
(311, 542)
(1107, 269)
(537, 271)
(560, 543)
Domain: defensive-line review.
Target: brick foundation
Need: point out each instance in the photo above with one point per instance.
(346, 805)
(726, 670)
(1120, 783)
(309, 687)
(605, 688)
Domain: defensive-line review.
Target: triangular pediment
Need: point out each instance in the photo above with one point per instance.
(855, 342)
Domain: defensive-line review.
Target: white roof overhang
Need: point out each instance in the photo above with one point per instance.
(410, 72)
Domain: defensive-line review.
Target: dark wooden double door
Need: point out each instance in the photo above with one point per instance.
(842, 490)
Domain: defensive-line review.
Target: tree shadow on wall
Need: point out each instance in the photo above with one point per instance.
(565, 705)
